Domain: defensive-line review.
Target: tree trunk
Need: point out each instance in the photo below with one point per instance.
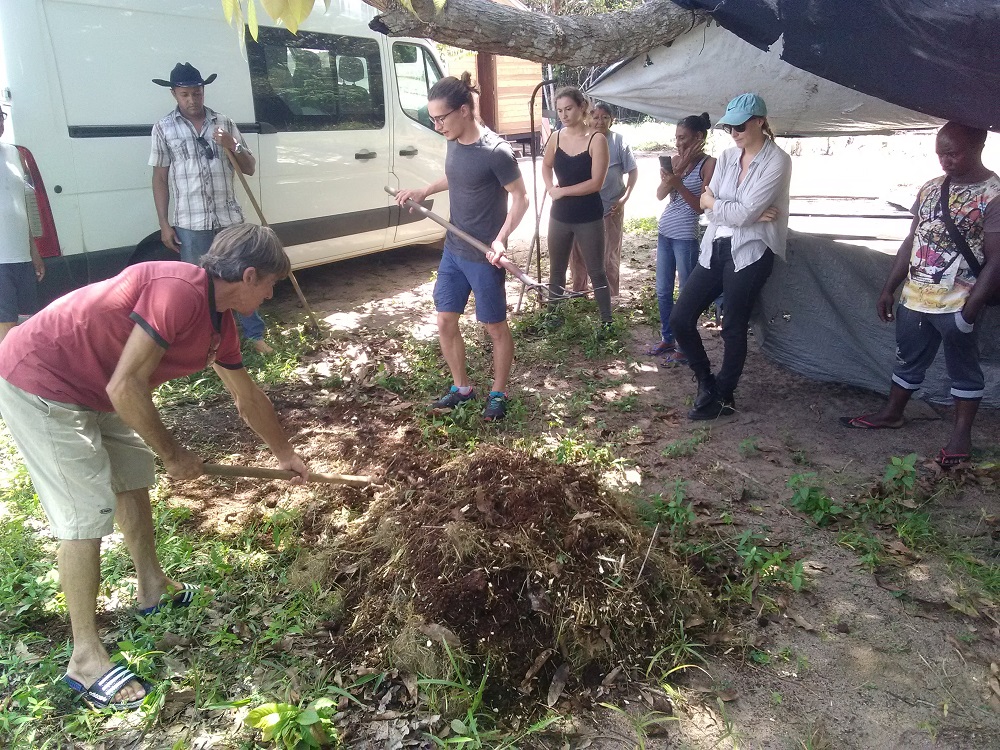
(485, 26)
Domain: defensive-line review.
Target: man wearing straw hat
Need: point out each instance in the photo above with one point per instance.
(76, 393)
(190, 168)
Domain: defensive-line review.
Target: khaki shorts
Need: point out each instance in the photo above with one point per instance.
(78, 460)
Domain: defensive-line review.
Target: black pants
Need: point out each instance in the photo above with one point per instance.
(741, 290)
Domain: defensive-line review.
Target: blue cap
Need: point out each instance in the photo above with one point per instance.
(742, 108)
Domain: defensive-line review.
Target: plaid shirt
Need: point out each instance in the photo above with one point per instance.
(201, 188)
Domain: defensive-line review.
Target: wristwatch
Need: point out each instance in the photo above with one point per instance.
(240, 148)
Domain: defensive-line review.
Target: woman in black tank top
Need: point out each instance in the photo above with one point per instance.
(578, 158)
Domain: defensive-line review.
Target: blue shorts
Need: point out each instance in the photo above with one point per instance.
(918, 337)
(457, 278)
(18, 291)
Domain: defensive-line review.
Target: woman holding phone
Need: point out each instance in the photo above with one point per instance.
(682, 178)
(576, 155)
(746, 203)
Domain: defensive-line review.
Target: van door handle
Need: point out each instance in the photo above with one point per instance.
(407, 152)
(366, 154)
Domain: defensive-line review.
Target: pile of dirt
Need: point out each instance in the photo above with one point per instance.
(514, 558)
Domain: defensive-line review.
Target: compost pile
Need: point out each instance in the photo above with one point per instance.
(509, 556)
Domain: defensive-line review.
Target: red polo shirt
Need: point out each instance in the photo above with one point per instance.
(69, 350)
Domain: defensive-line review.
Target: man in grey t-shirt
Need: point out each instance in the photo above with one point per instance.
(480, 172)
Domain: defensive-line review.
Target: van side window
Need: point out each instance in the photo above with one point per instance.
(416, 73)
(313, 81)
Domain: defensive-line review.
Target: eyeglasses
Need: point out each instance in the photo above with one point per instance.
(206, 147)
(3, 115)
(439, 120)
(736, 128)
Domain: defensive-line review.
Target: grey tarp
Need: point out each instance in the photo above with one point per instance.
(705, 68)
(817, 317)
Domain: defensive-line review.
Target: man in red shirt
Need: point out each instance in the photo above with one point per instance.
(76, 392)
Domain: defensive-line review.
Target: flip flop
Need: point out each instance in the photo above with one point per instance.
(181, 598)
(100, 694)
(948, 460)
(660, 349)
(675, 359)
(861, 423)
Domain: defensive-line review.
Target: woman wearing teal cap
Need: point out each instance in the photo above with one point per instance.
(746, 204)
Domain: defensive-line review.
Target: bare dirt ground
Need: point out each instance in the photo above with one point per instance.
(898, 657)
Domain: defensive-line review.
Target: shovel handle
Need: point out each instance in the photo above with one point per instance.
(254, 472)
(507, 265)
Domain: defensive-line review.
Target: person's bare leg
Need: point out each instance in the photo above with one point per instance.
(891, 415)
(80, 577)
(961, 434)
(452, 347)
(503, 354)
(135, 519)
(6, 328)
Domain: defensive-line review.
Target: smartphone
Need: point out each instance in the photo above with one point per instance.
(666, 165)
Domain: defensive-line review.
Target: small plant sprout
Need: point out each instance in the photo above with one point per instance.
(811, 498)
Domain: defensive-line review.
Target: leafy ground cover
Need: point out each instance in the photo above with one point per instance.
(595, 572)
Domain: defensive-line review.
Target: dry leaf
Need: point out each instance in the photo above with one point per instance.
(440, 633)
(610, 677)
(693, 622)
(802, 623)
(995, 686)
(557, 686)
(965, 609)
(526, 686)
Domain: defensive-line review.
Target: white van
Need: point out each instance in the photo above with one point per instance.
(333, 115)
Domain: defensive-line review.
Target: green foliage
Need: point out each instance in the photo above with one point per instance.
(900, 477)
(553, 332)
(643, 225)
(770, 565)
(811, 498)
(460, 699)
(749, 447)
(868, 547)
(674, 514)
(686, 446)
(295, 727)
(202, 387)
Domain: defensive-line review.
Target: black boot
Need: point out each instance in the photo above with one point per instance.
(709, 404)
(706, 391)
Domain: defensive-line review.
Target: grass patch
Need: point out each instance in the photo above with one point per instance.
(642, 225)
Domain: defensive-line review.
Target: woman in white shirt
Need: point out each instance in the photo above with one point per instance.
(746, 204)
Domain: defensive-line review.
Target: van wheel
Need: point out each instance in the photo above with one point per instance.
(148, 251)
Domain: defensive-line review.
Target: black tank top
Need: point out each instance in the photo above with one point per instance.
(572, 170)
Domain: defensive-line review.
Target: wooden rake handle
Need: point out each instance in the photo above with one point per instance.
(254, 472)
(482, 247)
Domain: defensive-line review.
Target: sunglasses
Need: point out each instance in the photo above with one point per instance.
(206, 147)
(736, 128)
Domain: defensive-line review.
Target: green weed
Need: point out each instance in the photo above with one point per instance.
(295, 727)
(811, 498)
(674, 513)
(686, 446)
(749, 447)
(643, 225)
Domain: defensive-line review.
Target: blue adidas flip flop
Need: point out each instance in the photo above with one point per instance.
(182, 598)
(100, 694)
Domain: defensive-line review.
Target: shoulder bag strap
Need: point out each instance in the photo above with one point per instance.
(956, 237)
